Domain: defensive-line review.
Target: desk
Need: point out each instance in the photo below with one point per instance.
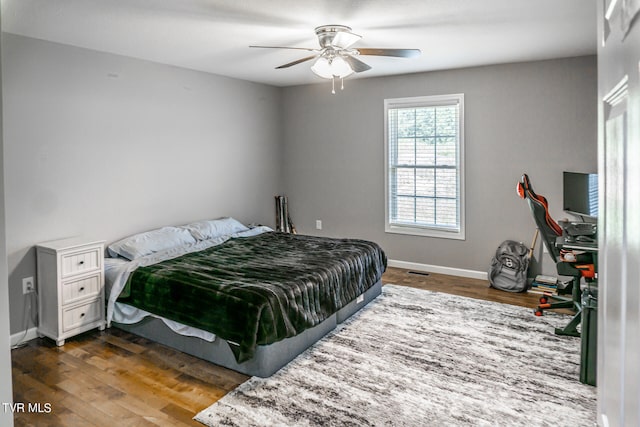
(589, 329)
(562, 242)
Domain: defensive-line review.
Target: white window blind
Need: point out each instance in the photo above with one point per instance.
(424, 145)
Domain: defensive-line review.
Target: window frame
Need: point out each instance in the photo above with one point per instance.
(419, 230)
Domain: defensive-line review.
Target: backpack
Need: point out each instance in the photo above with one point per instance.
(508, 271)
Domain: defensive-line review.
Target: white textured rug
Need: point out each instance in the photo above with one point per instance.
(420, 358)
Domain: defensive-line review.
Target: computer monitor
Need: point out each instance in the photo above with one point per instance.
(580, 193)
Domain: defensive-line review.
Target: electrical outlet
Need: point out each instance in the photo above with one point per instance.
(28, 285)
(318, 224)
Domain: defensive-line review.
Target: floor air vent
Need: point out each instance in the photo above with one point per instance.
(419, 273)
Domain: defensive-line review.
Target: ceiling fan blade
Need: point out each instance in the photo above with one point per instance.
(355, 64)
(286, 47)
(296, 62)
(400, 53)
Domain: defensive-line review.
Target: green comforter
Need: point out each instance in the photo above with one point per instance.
(258, 290)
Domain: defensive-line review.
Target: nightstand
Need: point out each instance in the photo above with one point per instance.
(70, 287)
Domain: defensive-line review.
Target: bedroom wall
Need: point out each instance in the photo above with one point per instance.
(536, 117)
(6, 392)
(105, 146)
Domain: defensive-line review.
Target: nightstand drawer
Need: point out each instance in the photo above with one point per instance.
(75, 317)
(80, 262)
(79, 289)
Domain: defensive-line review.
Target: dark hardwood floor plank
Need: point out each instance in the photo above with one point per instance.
(26, 383)
(155, 416)
(121, 415)
(29, 394)
(179, 413)
(223, 378)
(90, 387)
(73, 420)
(60, 400)
(163, 381)
(123, 343)
(117, 378)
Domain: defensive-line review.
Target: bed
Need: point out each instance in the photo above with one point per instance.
(247, 299)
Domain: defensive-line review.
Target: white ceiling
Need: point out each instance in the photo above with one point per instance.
(214, 35)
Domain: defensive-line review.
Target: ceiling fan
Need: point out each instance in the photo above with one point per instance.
(336, 58)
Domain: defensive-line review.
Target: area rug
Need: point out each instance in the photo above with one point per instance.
(421, 358)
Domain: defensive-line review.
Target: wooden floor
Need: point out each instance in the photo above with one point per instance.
(113, 378)
(473, 288)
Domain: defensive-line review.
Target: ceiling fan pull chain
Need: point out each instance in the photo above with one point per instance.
(333, 85)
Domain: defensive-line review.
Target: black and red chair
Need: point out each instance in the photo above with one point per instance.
(581, 265)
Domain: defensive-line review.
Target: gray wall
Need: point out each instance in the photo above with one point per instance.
(537, 117)
(6, 391)
(104, 146)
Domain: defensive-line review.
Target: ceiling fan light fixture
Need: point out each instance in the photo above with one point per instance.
(336, 59)
(328, 68)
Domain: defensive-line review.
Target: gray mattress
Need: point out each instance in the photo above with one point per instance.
(268, 358)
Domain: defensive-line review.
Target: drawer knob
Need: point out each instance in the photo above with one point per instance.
(81, 314)
(81, 262)
(82, 289)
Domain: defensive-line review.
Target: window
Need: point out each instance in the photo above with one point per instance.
(424, 166)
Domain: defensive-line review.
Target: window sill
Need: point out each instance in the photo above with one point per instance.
(425, 232)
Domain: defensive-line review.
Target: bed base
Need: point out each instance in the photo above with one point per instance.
(268, 358)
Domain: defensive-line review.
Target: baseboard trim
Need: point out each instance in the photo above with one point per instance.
(21, 337)
(450, 271)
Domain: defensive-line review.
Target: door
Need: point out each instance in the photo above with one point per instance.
(619, 219)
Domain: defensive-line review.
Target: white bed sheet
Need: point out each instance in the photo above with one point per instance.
(117, 271)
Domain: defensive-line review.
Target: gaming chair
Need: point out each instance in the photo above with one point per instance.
(582, 267)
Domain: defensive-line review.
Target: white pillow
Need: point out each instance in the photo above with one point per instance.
(146, 243)
(210, 229)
